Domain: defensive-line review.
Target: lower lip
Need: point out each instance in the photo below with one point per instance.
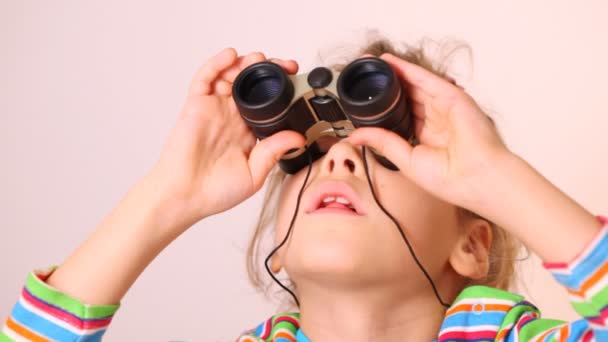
(334, 211)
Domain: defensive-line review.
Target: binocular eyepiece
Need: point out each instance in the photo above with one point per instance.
(322, 103)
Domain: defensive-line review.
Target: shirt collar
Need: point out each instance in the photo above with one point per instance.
(476, 305)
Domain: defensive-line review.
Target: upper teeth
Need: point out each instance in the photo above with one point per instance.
(338, 199)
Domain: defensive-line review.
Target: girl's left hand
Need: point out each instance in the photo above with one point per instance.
(459, 145)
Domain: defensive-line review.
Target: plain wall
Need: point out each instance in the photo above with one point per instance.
(89, 91)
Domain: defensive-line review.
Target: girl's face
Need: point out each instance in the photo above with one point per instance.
(342, 248)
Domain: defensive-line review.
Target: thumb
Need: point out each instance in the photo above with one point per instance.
(267, 152)
(386, 143)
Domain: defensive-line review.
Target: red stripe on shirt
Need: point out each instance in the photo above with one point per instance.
(63, 315)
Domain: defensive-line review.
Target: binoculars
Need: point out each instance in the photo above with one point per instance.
(322, 103)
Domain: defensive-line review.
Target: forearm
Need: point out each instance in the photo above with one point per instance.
(105, 266)
(522, 201)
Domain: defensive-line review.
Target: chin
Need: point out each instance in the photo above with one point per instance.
(323, 258)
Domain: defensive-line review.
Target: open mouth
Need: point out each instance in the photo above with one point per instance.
(336, 202)
(335, 197)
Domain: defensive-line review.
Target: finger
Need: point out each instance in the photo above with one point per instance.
(427, 135)
(222, 87)
(386, 143)
(290, 66)
(249, 140)
(242, 62)
(416, 95)
(209, 71)
(231, 73)
(419, 110)
(453, 81)
(266, 153)
(418, 126)
(418, 76)
(252, 58)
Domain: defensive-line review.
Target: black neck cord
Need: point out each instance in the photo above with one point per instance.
(293, 220)
(407, 242)
(409, 246)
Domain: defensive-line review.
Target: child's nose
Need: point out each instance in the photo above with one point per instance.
(342, 158)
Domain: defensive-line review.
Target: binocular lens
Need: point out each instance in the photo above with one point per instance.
(262, 91)
(363, 85)
(367, 88)
(261, 86)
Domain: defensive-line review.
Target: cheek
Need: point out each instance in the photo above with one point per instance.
(287, 204)
(429, 223)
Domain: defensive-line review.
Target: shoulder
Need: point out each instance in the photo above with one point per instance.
(485, 313)
(282, 325)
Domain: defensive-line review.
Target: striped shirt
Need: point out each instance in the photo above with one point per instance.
(479, 313)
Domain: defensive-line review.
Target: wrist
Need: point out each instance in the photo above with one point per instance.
(489, 188)
(516, 197)
(162, 206)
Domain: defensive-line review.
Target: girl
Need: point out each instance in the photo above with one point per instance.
(457, 200)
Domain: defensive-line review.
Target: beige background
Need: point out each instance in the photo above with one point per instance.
(89, 90)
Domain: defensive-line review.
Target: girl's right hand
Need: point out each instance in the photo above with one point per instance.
(211, 162)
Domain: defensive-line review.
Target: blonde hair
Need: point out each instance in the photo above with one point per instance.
(504, 247)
